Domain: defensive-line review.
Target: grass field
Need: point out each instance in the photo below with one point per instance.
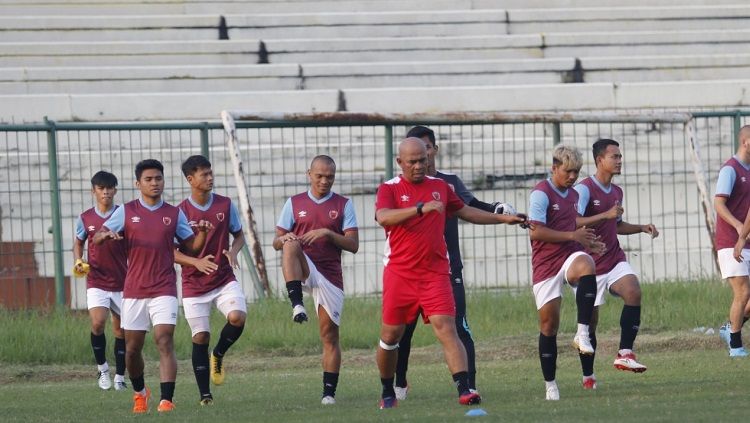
(274, 371)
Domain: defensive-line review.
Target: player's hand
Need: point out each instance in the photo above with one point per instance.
(650, 229)
(110, 235)
(597, 247)
(433, 205)
(309, 237)
(584, 236)
(525, 224)
(615, 212)
(738, 247)
(204, 226)
(511, 219)
(289, 236)
(80, 268)
(206, 264)
(232, 258)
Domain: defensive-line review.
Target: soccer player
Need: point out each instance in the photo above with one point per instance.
(732, 202)
(105, 276)
(412, 208)
(600, 207)
(427, 136)
(148, 227)
(556, 259)
(208, 278)
(313, 228)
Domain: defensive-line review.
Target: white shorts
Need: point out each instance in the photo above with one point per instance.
(227, 298)
(142, 313)
(605, 281)
(729, 266)
(112, 300)
(549, 289)
(325, 293)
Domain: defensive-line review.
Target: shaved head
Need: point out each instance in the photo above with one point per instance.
(411, 143)
(412, 159)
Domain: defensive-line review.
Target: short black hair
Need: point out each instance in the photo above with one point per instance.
(420, 132)
(322, 157)
(193, 163)
(600, 146)
(105, 179)
(147, 164)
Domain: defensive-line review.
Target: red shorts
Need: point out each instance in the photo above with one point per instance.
(403, 298)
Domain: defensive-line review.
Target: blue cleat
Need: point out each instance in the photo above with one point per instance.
(738, 352)
(388, 402)
(724, 331)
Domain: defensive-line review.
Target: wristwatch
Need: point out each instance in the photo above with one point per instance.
(419, 208)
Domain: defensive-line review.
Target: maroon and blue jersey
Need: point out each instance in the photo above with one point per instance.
(108, 261)
(225, 220)
(594, 198)
(734, 185)
(556, 210)
(303, 213)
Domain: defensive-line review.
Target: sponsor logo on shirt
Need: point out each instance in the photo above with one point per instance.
(302, 213)
(166, 220)
(743, 179)
(436, 195)
(92, 228)
(597, 203)
(220, 216)
(404, 198)
(333, 214)
(135, 219)
(556, 207)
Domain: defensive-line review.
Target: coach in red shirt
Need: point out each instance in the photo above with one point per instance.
(412, 209)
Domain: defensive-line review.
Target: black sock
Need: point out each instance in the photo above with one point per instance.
(735, 339)
(120, 356)
(464, 334)
(229, 335)
(461, 379)
(404, 348)
(630, 322)
(167, 391)
(587, 360)
(294, 290)
(330, 380)
(138, 383)
(99, 345)
(200, 368)
(585, 298)
(548, 356)
(387, 388)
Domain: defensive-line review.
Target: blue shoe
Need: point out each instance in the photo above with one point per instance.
(738, 352)
(724, 331)
(388, 402)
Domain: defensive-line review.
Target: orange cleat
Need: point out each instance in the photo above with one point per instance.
(140, 402)
(165, 406)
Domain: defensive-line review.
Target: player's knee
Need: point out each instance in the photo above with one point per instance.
(202, 338)
(165, 343)
(97, 328)
(388, 346)
(237, 318)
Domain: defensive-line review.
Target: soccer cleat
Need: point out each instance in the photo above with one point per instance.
(738, 352)
(388, 402)
(328, 400)
(209, 400)
(299, 314)
(469, 398)
(140, 402)
(120, 385)
(217, 369)
(165, 406)
(724, 332)
(583, 344)
(553, 394)
(589, 382)
(627, 362)
(104, 380)
(401, 393)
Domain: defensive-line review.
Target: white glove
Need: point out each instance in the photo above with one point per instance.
(505, 208)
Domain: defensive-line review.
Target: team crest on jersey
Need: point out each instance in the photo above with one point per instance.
(404, 198)
(556, 207)
(436, 195)
(220, 216)
(135, 219)
(166, 220)
(597, 203)
(302, 213)
(92, 228)
(743, 179)
(333, 214)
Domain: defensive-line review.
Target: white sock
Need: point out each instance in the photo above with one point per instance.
(119, 378)
(550, 384)
(142, 392)
(103, 367)
(589, 377)
(625, 351)
(583, 330)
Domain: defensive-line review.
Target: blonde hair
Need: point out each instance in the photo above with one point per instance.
(567, 156)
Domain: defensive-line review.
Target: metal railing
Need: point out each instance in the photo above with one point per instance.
(46, 169)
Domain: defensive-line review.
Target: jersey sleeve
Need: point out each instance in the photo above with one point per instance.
(725, 183)
(183, 230)
(384, 198)
(286, 219)
(538, 203)
(116, 222)
(462, 191)
(80, 230)
(235, 225)
(583, 198)
(453, 203)
(350, 218)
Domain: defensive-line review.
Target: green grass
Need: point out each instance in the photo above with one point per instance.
(46, 369)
